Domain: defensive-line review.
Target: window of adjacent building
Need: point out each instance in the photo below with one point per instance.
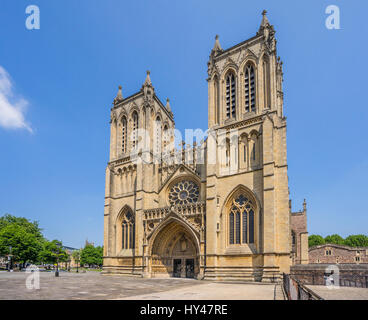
(328, 252)
(293, 239)
(250, 88)
(230, 96)
(357, 259)
(241, 221)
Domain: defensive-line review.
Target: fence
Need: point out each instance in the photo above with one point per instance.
(296, 291)
(357, 281)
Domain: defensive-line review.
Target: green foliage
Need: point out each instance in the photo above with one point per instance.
(359, 240)
(30, 227)
(25, 244)
(76, 255)
(315, 240)
(91, 255)
(334, 239)
(51, 251)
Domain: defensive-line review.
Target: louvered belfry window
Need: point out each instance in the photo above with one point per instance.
(250, 89)
(230, 96)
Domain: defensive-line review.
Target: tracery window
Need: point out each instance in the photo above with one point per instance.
(128, 231)
(250, 88)
(230, 96)
(184, 192)
(243, 210)
(123, 134)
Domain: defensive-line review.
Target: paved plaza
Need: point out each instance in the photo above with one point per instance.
(341, 293)
(94, 285)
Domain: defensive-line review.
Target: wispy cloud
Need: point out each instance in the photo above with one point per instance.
(12, 107)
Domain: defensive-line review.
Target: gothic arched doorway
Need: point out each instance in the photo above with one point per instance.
(174, 251)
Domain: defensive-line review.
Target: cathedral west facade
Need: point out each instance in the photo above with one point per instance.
(216, 210)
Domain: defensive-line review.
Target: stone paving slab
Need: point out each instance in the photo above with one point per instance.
(95, 286)
(214, 291)
(341, 293)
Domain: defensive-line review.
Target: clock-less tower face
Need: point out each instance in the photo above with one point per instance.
(184, 192)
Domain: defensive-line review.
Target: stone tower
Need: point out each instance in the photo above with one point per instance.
(245, 113)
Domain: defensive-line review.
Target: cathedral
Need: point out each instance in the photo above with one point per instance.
(218, 208)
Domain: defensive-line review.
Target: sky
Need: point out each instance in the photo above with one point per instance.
(57, 85)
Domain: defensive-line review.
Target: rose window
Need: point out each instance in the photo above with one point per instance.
(184, 192)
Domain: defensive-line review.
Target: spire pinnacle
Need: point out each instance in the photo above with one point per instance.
(148, 79)
(265, 21)
(217, 46)
(168, 104)
(119, 96)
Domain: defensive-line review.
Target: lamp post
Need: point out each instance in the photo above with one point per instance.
(57, 259)
(10, 259)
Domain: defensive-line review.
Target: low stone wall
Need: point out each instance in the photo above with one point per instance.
(350, 275)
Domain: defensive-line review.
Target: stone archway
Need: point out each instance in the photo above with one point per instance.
(174, 252)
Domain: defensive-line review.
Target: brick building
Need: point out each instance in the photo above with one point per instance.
(299, 235)
(338, 254)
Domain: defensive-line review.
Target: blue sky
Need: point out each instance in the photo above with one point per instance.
(65, 76)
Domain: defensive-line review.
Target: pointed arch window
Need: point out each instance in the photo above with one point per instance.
(128, 231)
(230, 96)
(123, 135)
(266, 83)
(250, 88)
(241, 220)
(227, 153)
(135, 129)
(243, 149)
(165, 138)
(158, 135)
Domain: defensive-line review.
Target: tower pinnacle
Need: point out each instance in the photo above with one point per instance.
(119, 96)
(217, 46)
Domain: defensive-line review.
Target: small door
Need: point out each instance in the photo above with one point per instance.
(177, 268)
(189, 268)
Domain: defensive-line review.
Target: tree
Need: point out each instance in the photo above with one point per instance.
(91, 255)
(359, 240)
(30, 227)
(334, 239)
(315, 240)
(25, 245)
(99, 253)
(51, 251)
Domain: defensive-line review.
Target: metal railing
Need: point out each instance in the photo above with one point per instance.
(295, 290)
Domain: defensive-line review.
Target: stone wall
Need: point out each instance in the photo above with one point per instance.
(347, 274)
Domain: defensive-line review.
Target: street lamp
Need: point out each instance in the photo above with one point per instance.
(57, 260)
(10, 259)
